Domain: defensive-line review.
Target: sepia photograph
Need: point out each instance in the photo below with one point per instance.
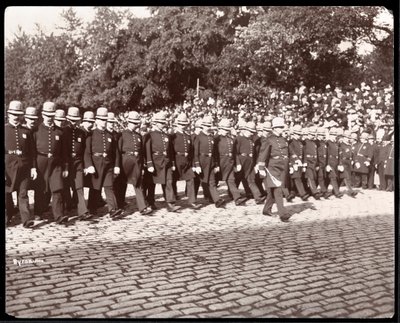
(200, 162)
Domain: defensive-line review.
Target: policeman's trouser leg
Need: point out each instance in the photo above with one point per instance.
(285, 192)
(190, 191)
(9, 205)
(321, 183)
(82, 209)
(150, 193)
(335, 185)
(299, 186)
(213, 188)
(57, 205)
(254, 189)
(278, 197)
(364, 181)
(371, 175)
(347, 182)
(230, 182)
(92, 199)
(196, 185)
(23, 201)
(66, 192)
(311, 185)
(110, 198)
(140, 200)
(169, 191)
(174, 188)
(357, 180)
(382, 179)
(389, 183)
(269, 201)
(247, 189)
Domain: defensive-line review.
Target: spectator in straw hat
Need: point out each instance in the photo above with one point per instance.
(31, 118)
(130, 145)
(159, 156)
(205, 163)
(52, 165)
(20, 163)
(102, 163)
(273, 164)
(226, 158)
(183, 152)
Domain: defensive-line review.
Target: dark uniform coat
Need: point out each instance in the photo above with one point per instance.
(274, 153)
(75, 140)
(131, 147)
(245, 155)
(345, 159)
(295, 153)
(332, 157)
(101, 153)
(363, 152)
(310, 156)
(159, 155)
(183, 151)
(225, 153)
(205, 155)
(321, 162)
(389, 160)
(51, 158)
(20, 155)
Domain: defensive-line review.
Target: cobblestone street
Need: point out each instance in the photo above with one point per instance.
(332, 259)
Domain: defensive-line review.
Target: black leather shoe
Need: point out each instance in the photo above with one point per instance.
(29, 224)
(261, 200)
(86, 216)
(194, 206)
(339, 195)
(115, 213)
(285, 217)
(267, 212)
(317, 196)
(305, 197)
(63, 220)
(327, 195)
(290, 197)
(219, 203)
(240, 201)
(146, 211)
(172, 208)
(153, 207)
(353, 194)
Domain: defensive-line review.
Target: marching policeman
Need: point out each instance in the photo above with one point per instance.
(20, 163)
(131, 147)
(375, 151)
(183, 151)
(205, 161)
(362, 161)
(74, 140)
(246, 160)
(52, 164)
(321, 163)
(273, 164)
(159, 157)
(332, 161)
(226, 157)
(101, 161)
(389, 165)
(310, 160)
(345, 162)
(295, 161)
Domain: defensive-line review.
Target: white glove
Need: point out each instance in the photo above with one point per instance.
(198, 170)
(357, 165)
(194, 169)
(89, 170)
(295, 168)
(305, 165)
(367, 163)
(65, 174)
(173, 168)
(352, 162)
(328, 168)
(298, 162)
(304, 169)
(116, 170)
(340, 168)
(256, 170)
(238, 168)
(263, 173)
(291, 171)
(216, 169)
(150, 169)
(33, 173)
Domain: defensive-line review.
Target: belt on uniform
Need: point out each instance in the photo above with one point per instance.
(246, 155)
(332, 156)
(182, 154)
(48, 155)
(14, 152)
(73, 155)
(159, 153)
(131, 153)
(311, 156)
(280, 157)
(208, 155)
(229, 155)
(100, 154)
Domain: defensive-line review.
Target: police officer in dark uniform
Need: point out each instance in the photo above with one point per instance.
(345, 162)
(159, 157)
(362, 161)
(389, 165)
(183, 151)
(20, 163)
(74, 140)
(273, 164)
(205, 162)
(310, 160)
(131, 147)
(246, 160)
(226, 157)
(101, 160)
(332, 161)
(52, 164)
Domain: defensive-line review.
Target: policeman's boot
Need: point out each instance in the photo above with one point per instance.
(172, 207)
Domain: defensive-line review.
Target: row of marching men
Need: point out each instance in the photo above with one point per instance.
(60, 159)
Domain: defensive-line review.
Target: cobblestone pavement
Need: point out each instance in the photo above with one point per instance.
(332, 259)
